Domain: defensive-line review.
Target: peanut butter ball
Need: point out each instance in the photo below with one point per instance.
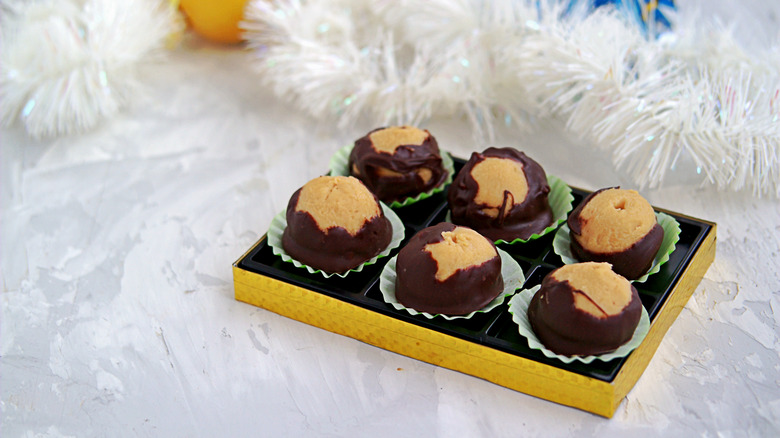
(448, 269)
(584, 309)
(616, 226)
(397, 162)
(502, 194)
(334, 223)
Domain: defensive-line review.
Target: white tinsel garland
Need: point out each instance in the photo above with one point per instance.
(67, 64)
(694, 92)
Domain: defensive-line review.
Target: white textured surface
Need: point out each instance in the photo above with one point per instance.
(118, 317)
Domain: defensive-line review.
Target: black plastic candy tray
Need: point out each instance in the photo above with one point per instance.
(495, 329)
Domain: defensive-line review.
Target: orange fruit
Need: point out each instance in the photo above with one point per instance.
(216, 20)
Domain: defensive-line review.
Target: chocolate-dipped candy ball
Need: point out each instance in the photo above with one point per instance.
(397, 162)
(584, 309)
(334, 223)
(618, 227)
(502, 194)
(448, 269)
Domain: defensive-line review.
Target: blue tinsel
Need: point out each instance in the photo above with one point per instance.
(649, 15)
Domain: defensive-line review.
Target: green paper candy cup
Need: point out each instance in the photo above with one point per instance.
(560, 199)
(339, 166)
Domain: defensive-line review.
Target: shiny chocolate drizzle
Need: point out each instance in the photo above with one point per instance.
(406, 160)
(531, 216)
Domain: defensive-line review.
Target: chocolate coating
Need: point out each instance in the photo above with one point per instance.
(633, 262)
(523, 219)
(567, 330)
(465, 291)
(335, 249)
(367, 164)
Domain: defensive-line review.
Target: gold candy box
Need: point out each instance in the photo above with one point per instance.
(488, 345)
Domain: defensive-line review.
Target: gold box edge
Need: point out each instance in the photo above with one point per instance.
(547, 382)
(690, 278)
(598, 397)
